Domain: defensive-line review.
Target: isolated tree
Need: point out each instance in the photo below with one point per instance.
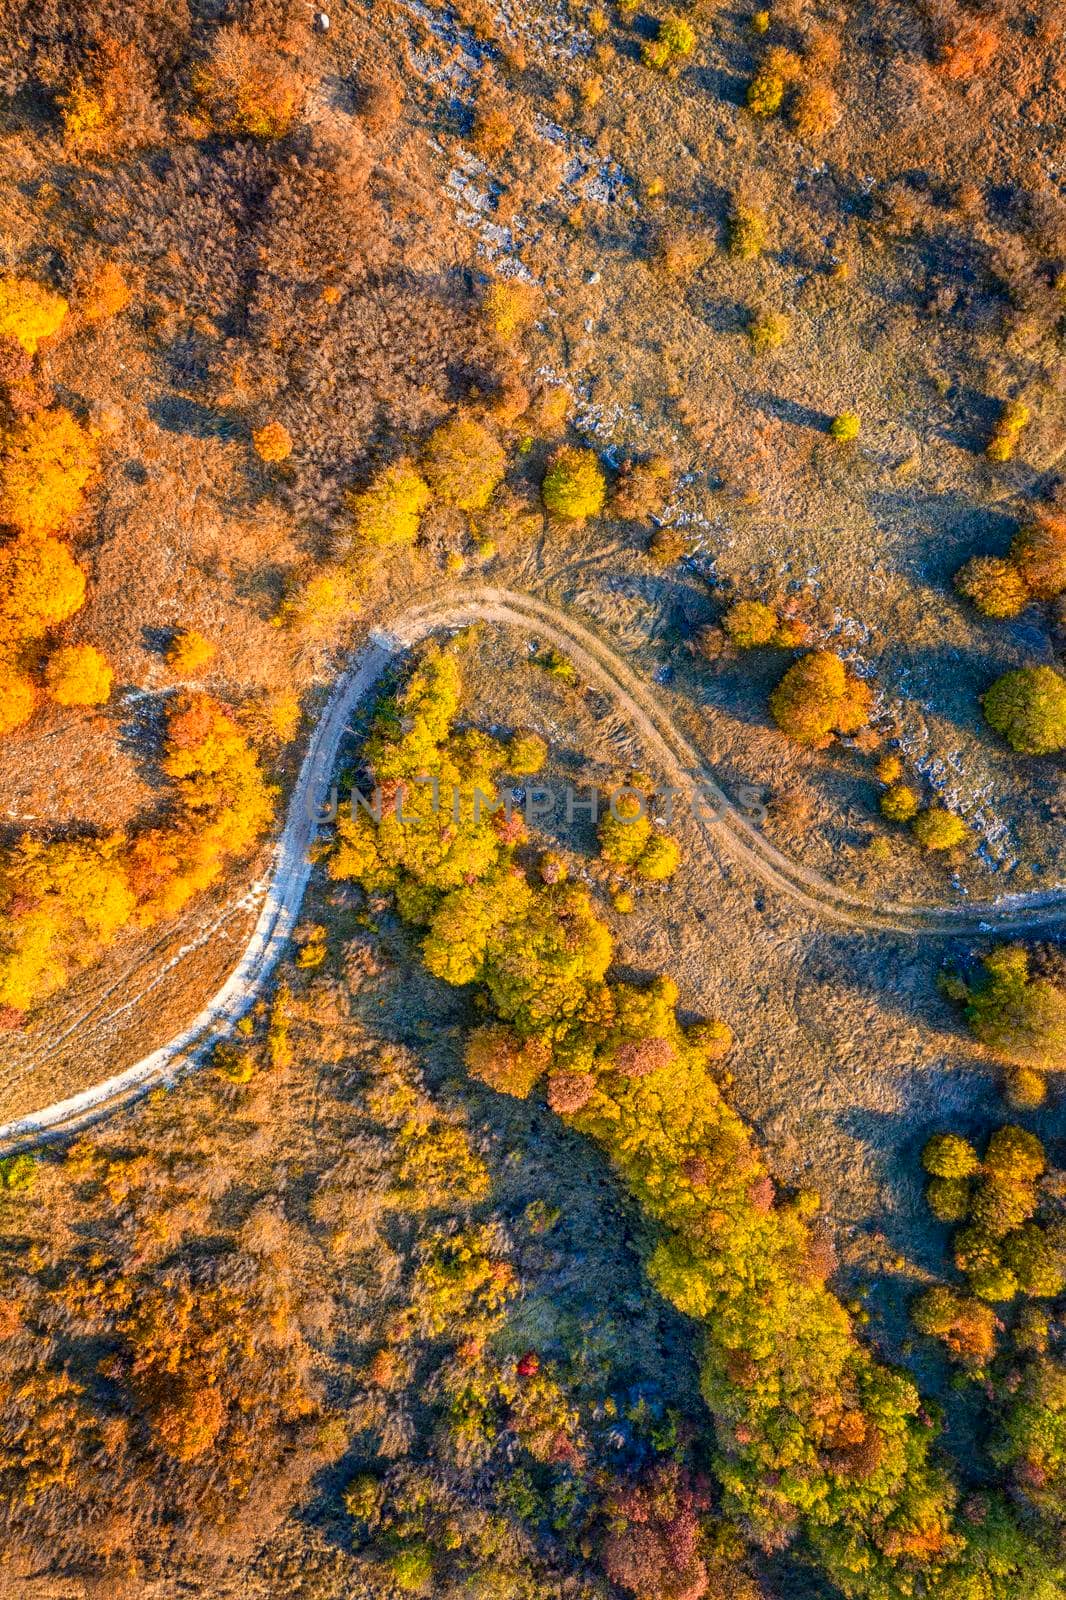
(1028, 707)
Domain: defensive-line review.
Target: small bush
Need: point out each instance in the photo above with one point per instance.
(463, 463)
(818, 697)
(642, 489)
(189, 652)
(389, 510)
(272, 442)
(993, 585)
(900, 803)
(814, 112)
(659, 859)
(78, 675)
(749, 624)
(574, 486)
(937, 828)
(889, 769)
(674, 42)
(845, 426)
(104, 294)
(768, 330)
(509, 306)
(1038, 552)
(526, 754)
(247, 87)
(29, 312)
(46, 460)
(1004, 441)
(748, 230)
(1028, 708)
(765, 93)
(1019, 1015)
(1024, 1089)
(412, 1568)
(966, 1327)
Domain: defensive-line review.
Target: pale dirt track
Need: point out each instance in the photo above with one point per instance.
(676, 760)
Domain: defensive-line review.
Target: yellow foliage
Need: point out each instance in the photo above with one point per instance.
(510, 304)
(17, 700)
(41, 585)
(463, 462)
(389, 509)
(189, 652)
(29, 312)
(45, 462)
(62, 901)
(78, 675)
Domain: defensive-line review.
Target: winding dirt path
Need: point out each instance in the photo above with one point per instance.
(677, 762)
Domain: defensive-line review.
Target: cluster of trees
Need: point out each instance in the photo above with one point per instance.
(1016, 1006)
(62, 901)
(998, 1246)
(46, 461)
(1000, 1328)
(814, 1437)
(1033, 569)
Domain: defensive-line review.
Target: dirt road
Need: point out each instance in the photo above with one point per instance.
(675, 760)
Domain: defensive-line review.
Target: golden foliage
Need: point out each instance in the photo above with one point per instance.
(46, 460)
(29, 312)
(78, 675)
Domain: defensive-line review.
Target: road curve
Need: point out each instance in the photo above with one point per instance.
(676, 760)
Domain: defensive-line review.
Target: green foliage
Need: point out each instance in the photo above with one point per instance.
(17, 1173)
(900, 803)
(1028, 708)
(948, 1198)
(765, 92)
(1017, 1013)
(946, 1155)
(936, 828)
(412, 1568)
(574, 486)
(1030, 1441)
(813, 1435)
(748, 230)
(674, 42)
(750, 623)
(630, 840)
(768, 330)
